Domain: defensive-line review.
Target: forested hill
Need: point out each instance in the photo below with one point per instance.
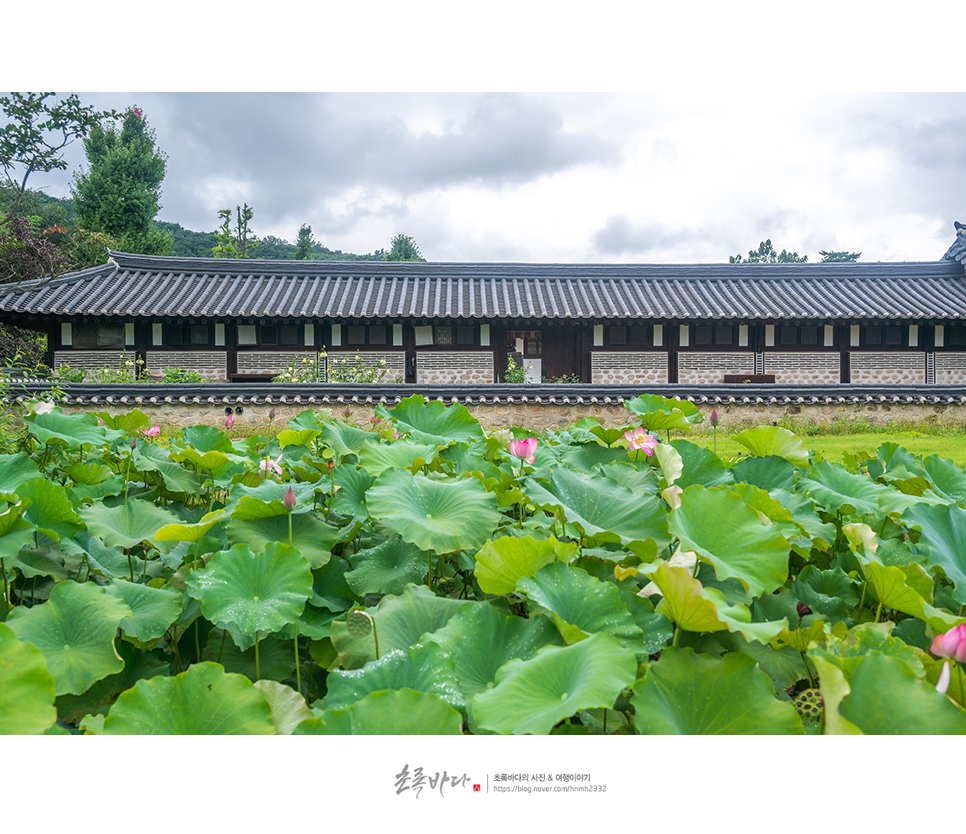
(57, 211)
(199, 245)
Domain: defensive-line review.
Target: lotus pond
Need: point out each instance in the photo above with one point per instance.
(417, 575)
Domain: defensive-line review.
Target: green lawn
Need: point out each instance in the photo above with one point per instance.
(833, 447)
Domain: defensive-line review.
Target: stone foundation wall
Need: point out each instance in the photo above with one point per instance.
(707, 368)
(950, 368)
(211, 364)
(458, 366)
(250, 418)
(803, 368)
(887, 368)
(640, 368)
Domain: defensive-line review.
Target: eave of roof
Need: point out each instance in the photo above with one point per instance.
(141, 286)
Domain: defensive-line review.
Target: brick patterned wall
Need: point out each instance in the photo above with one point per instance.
(395, 361)
(712, 367)
(883, 368)
(211, 364)
(474, 367)
(270, 362)
(91, 360)
(613, 368)
(950, 368)
(803, 368)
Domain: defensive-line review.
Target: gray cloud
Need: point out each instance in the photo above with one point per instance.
(298, 150)
(620, 236)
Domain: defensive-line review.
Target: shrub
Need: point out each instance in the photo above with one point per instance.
(174, 376)
(516, 374)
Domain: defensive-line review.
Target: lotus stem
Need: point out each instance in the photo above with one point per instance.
(258, 668)
(6, 589)
(298, 672)
(858, 610)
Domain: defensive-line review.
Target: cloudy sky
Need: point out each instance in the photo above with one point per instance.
(691, 175)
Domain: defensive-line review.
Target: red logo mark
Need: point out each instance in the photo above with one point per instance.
(476, 787)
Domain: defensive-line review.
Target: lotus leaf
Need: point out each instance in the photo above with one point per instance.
(601, 506)
(399, 712)
(531, 696)
(723, 530)
(258, 592)
(205, 700)
(500, 564)
(421, 668)
(443, 516)
(75, 631)
(26, 687)
(685, 693)
(576, 599)
(386, 568)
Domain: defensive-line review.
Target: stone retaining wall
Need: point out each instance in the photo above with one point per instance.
(537, 417)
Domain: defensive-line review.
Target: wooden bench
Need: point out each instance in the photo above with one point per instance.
(732, 379)
(252, 377)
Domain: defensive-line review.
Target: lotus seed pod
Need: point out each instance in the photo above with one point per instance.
(358, 624)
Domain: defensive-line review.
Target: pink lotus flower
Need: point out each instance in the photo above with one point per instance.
(289, 500)
(154, 431)
(714, 417)
(952, 644)
(640, 439)
(268, 465)
(229, 421)
(524, 449)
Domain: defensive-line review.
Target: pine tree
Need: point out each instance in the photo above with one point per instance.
(304, 243)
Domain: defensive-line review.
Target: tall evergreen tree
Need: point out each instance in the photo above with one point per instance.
(404, 248)
(304, 243)
(119, 193)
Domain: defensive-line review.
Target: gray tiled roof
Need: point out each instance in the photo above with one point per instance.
(957, 252)
(224, 395)
(133, 286)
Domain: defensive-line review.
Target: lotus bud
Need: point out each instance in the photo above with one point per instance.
(272, 414)
(803, 610)
(289, 500)
(134, 443)
(952, 644)
(229, 421)
(714, 417)
(347, 413)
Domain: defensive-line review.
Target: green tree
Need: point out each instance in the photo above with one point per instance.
(119, 193)
(766, 254)
(238, 242)
(839, 257)
(304, 243)
(404, 248)
(39, 128)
